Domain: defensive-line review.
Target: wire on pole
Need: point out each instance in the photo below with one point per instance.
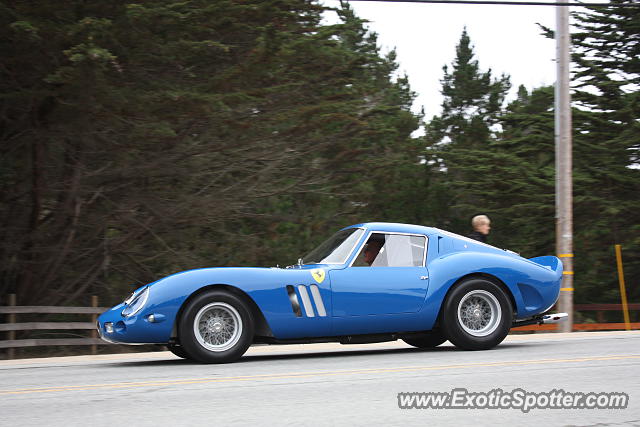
(511, 3)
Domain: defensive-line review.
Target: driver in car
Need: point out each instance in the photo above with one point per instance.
(371, 250)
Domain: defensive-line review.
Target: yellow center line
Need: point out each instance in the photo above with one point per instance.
(310, 374)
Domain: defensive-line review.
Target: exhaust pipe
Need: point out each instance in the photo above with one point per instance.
(542, 319)
(554, 318)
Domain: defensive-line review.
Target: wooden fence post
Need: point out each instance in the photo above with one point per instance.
(11, 318)
(94, 319)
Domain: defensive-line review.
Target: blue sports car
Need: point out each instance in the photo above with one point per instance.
(368, 283)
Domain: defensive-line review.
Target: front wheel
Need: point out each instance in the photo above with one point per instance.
(216, 327)
(477, 315)
(177, 350)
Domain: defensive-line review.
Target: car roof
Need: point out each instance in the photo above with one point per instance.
(396, 227)
(427, 231)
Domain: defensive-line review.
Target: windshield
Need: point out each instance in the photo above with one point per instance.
(336, 249)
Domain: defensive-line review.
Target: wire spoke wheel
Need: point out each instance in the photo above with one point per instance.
(479, 313)
(217, 326)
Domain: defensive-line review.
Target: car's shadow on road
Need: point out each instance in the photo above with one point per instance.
(309, 355)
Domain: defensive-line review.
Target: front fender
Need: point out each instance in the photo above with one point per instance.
(265, 286)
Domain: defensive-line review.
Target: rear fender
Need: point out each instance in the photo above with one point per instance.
(533, 284)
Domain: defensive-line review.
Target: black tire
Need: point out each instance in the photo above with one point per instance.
(216, 327)
(428, 340)
(177, 350)
(476, 315)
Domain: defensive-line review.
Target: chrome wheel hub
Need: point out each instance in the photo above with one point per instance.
(217, 326)
(479, 313)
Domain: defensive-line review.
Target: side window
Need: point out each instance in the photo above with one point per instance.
(392, 250)
(418, 246)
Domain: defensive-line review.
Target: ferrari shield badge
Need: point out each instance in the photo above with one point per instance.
(318, 274)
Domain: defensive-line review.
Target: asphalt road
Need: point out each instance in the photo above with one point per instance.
(324, 384)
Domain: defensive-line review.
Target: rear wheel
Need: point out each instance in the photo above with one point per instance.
(428, 340)
(477, 315)
(216, 327)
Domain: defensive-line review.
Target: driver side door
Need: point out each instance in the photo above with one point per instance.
(384, 293)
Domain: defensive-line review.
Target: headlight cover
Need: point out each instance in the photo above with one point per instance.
(135, 302)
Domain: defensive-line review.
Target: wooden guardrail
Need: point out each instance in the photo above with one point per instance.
(12, 325)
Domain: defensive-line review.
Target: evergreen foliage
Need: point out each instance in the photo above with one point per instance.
(142, 139)
(508, 171)
(606, 149)
(459, 139)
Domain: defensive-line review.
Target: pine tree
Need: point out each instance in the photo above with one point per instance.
(458, 139)
(606, 148)
(518, 182)
(472, 101)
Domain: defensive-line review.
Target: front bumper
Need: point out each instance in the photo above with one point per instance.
(146, 327)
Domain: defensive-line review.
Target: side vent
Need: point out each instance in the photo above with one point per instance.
(295, 305)
(318, 300)
(308, 301)
(531, 297)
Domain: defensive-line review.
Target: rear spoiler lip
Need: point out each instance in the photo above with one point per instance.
(549, 262)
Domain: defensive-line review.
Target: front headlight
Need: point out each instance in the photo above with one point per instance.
(135, 302)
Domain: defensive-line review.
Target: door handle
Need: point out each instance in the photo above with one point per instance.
(424, 277)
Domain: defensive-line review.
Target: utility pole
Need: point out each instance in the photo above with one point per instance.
(564, 192)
